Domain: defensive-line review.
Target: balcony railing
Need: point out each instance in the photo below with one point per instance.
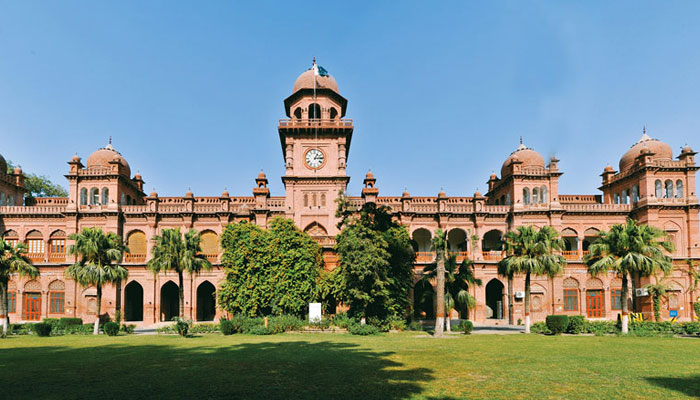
(571, 254)
(492, 255)
(36, 257)
(460, 255)
(425, 256)
(212, 257)
(133, 258)
(57, 257)
(315, 122)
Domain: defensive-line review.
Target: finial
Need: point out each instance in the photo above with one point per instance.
(189, 189)
(314, 60)
(644, 129)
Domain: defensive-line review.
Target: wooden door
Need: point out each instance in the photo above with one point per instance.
(32, 306)
(595, 306)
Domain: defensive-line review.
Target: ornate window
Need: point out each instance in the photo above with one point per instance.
(57, 297)
(669, 189)
(105, 196)
(616, 198)
(543, 194)
(526, 196)
(570, 299)
(12, 301)
(83, 197)
(94, 196)
(535, 195)
(635, 193)
(624, 197)
(35, 244)
(658, 189)
(3, 199)
(508, 199)
(123, 199)
(679, 189)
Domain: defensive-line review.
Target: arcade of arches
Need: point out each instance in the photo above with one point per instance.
(651, 183)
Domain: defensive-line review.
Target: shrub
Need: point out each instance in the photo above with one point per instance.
(42, 329)
(111, 328)
(520, 322)
(182, 327)
(226, 327)
(204, 328)
(415, 326)
(692, 328)
(128, 328)
(19, 329)
(601, 327)
(540, 327)
(342, 320)
(51, 321)
(69, 321)
(363, 330)
(466, 326)
(243, 324)
(557, 324)
(259, 330)
(576, 324)
(284, 323)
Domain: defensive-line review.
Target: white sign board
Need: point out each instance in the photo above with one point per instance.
(314, 312)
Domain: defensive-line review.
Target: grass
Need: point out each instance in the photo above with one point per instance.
(338, 366)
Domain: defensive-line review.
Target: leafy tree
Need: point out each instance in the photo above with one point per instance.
(39, 185)
(532, 252)
(98, 254)
(658, 291)
(273, 271)
(629, 249)
(173, 253)
(376, 261)
(458, 277)
(13, 260)
(331, 289)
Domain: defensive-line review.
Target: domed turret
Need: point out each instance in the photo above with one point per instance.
(646, 144)
(103, 156)
(526, 155)
(323, 79)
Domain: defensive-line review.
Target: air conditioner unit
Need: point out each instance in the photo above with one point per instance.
(519, 295)
(641, 292)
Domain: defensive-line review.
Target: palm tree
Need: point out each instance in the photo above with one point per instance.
(630, 249)
(12, 261)
(532, 252)
(439, 245)
(506, 269)
(458, 277)
(97, 256)
(172, 253)
(658, 291)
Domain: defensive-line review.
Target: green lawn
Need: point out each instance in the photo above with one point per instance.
(337, 366)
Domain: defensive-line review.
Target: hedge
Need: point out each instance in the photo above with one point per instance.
(557, 324)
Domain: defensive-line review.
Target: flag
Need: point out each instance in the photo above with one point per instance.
(319, 70)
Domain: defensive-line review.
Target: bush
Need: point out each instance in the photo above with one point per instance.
(243, 324)
(342, 320)
(66, 321)
(415, 326)
(692, 328)
(226, 327)
(111, 328)
(322, 324)
(363, 330)
(576, 324)
(51, 321)
(182, 327)
(128, 328)
(19, 329)
(540, 327)
(557, 324)
(259, 330)
(284, 323)
(466, 326)
(42, 329)
(204, 328)
(601, 327)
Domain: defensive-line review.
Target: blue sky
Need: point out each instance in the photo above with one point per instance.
(440, 92)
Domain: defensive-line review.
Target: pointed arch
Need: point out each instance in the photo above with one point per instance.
(206, 301)
(133, 301)
(315, 229)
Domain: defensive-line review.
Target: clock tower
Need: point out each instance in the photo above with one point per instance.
(315, 143)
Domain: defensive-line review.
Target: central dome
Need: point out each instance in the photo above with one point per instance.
(103, 156)
(661, 151)
(323, 80)
(528, 156)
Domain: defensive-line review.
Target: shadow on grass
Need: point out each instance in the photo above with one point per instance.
(688, 385)
(269, 370)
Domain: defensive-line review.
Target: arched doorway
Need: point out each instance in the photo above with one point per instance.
(206, 303)
(494, 298)
(169, 301)
(133, 302)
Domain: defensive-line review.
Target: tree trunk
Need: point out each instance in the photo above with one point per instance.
(510, 300)
(634, 293)
(181, 292)
(96, 329)
(4, 307)
(657, 308)
(625, 307)
(527, 302)
(440, 312)
(118, 305)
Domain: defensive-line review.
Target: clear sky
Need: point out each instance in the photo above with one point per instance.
(439, 91)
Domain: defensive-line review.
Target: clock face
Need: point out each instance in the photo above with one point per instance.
(314, 158)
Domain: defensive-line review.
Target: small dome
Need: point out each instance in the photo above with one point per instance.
(528, 156)
(225, 193)
(17, 171)
(477, 194)
(261, 175)
(306, 81)
(137, 177)
(103, 156)
(189, 193)
(442, 194)
(153, 194)
(646, 144)
(493, 177)
(405, 194)
(75, 158)
(686, 149)
(609, 168)
(369, 175)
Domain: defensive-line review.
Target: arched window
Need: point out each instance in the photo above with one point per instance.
(123, 199)
(526, 196)
(543, 194)
(658, 189)
(136, 243)
(3, 200)
(210, 245)
(314, 111)
(94, 196)
(128, 199)
(323, 199)
(10, 200)
(535, 195)
(635, 193)
(508, 199)
(679, 189)
(624, 197)
(297, 113)
(334, 113)
(616, 198)
(306, 200)
(669, 189)
(105, 196)
(57, 297)
(83, 196)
